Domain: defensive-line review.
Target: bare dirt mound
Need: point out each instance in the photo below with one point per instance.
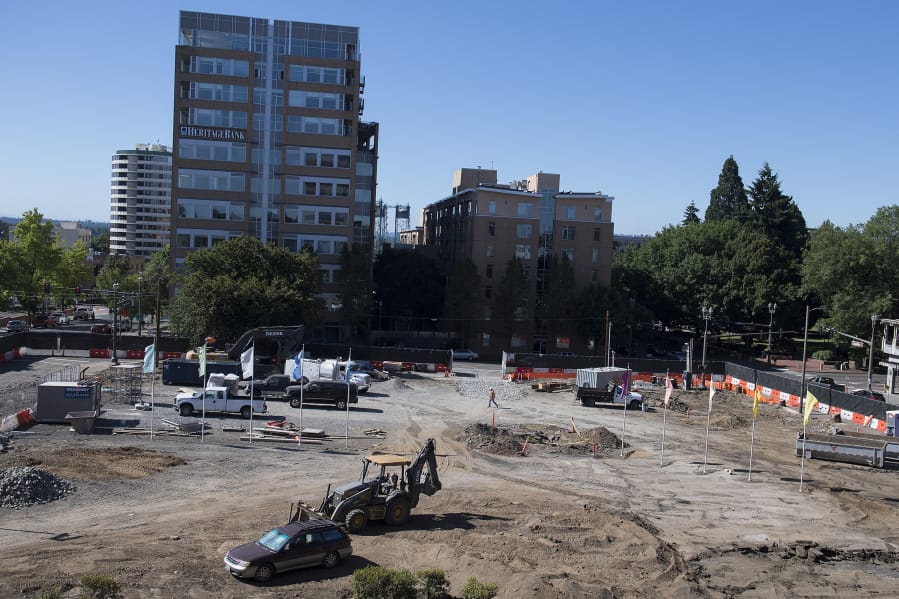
(539, 438)
(97, 463)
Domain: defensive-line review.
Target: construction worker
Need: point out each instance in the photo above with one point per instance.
(492, 400)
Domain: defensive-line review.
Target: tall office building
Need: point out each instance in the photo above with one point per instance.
(268, 138)
(141, 203)
(532, 221)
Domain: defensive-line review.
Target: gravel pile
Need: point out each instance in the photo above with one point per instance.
(480, 389)
(25, 486)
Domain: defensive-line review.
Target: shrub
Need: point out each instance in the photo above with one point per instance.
(475, 589)
(432, 584)
(99, 586)
(51, 593)
(375, 582)
(823, 354)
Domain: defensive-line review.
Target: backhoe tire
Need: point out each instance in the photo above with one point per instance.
(356, 520)
(186, 409)
(398, 511)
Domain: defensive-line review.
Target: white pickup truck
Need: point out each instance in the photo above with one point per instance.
(217, 399)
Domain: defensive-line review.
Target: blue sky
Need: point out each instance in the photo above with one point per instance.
(641, 100)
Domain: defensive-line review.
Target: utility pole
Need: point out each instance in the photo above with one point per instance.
(156, 353)
(772, 308)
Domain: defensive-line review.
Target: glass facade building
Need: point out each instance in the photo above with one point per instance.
(268, 138)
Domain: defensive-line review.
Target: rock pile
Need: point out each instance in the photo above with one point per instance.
(25, 486)
(480, 389)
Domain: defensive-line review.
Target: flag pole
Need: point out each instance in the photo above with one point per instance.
(708, 427)
(205, 383)
(755, 406)
(252, 382)
(302, 357)
(802, 461)
(347, 380)
(625, 390)
(810, 402)
(665, 416)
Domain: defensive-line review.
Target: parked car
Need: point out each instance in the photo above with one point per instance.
(868, 394)
(288, 547)
(101, 328)
(84, 313)
(61, 318)
(825, 381)
(40, 321)
(124, 324)
(323, 391)
(16, 326)
(464, 354)
(374, 373)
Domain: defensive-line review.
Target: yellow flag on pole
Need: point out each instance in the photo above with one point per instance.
(810, 402)
(755, 402)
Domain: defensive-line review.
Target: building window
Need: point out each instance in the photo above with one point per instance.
(522, 251)
(567, 252)
(595, 256)
(489, 271)
(525, 210)
(491, 228)
(597, 214)
(597, 234)
(524, 231)
(570, 212)
(527, 271)
(568, 233)
(485, 339)
(490, 250)
(594, 275)
(517, 341)
(488, 291)
(563, 343)
(491, 207)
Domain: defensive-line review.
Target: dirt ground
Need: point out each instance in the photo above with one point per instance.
(572, 514)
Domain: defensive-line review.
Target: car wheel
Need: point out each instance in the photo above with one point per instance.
(340, 404)
(264, 573)
(294, 402)
(245, 412)
(356, 520)
(398, 511)
(634, 404)
(331, 559)
(186, 409)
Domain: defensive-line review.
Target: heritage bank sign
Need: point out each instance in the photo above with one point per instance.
(214, 133)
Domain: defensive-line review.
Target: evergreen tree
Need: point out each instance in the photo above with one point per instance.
(728, 201)
(510, 300)
(691, 214)
(463, 301)
(776, 215)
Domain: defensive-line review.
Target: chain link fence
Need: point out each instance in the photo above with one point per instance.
(24, 395)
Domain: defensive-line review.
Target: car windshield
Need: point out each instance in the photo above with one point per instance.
(273, 540)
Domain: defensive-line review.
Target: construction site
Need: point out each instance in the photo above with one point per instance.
(543, 496)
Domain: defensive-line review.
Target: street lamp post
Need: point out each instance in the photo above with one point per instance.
(140, 306)
(115, 321)
(871, 349)
(804, 348)
(772, 308)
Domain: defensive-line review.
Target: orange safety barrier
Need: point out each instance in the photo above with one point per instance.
(99, 352)
(134, 354)
(169, 354)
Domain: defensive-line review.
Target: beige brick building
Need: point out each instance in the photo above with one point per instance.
(529, 219)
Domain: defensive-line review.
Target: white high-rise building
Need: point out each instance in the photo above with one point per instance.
(141, 204)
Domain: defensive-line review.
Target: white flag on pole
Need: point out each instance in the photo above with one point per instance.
(246, 363)
(711, 395)
(149, 358)
(669, 388)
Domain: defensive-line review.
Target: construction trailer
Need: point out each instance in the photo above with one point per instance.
(851, 447)
(57, 399)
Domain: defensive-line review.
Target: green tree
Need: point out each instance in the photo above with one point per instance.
(100, 243)
(157, 279)
(728, 200)
(777, 214)
(40, 253)
(691, 214)
(241, 284)
(408, 285)
(559, 307)
(508, 314)
(463, 310)
(355, 277)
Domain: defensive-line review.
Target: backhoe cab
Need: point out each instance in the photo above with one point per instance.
(388, 489)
